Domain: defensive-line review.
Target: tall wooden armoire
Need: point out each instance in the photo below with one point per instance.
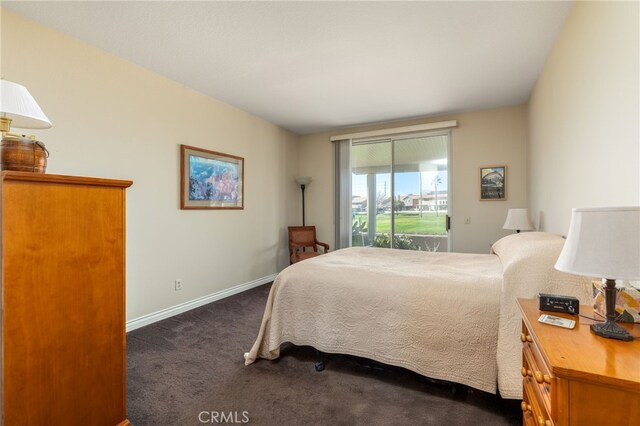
(63, 300)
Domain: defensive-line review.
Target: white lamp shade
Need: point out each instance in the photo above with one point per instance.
(518, 219)
(17, 104)
(603, 242)
(303, 180)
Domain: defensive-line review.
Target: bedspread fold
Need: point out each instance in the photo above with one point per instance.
(528, 261)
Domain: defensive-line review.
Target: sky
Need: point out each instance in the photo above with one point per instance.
(406, 183)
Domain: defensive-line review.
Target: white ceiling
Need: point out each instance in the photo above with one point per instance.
(313, 66)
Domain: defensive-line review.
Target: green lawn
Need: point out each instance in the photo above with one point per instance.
(409, 223)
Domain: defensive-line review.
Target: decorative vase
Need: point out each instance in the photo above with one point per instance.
(23, 154)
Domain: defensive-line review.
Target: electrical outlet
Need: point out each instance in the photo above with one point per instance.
(178, 284)
(467, 220)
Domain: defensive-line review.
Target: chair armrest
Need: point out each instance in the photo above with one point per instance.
(325, 245)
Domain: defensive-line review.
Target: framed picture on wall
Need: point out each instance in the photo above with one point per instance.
(210, 180)
(493, 183)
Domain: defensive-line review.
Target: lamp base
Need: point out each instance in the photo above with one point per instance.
(23, 154)
(611, 330)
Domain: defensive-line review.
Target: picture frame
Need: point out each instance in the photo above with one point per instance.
(210, 180)
(493, 183)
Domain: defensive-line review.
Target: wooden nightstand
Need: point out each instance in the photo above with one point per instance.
(573, 377)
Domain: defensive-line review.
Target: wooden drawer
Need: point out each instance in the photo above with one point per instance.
(528, 415)
(538, 384)
(538, 403)
(539, 377)
(532, 412)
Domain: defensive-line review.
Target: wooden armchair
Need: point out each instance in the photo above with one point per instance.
(301, 238)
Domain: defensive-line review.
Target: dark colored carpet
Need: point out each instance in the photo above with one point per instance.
(193, 362)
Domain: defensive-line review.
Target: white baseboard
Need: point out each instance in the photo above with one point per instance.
(192, 304)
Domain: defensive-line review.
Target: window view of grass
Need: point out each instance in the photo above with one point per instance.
(412, 231)
(409, 223)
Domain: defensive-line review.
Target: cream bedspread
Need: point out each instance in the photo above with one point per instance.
(433, 313)
(448, 316)
(528, 261)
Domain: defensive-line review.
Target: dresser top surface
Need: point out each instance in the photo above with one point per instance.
(52, 178)
(579, 353)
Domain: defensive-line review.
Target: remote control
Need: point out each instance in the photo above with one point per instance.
(557, 321)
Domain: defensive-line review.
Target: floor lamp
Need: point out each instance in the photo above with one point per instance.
(303, 181)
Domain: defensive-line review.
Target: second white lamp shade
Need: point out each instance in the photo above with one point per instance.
(518, 220)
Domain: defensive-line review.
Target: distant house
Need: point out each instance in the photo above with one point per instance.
(358, 204)
(431, 199)
(411, 202)
(383, 204)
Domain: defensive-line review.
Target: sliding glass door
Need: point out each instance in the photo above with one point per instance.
(400, 192)
(371, 192)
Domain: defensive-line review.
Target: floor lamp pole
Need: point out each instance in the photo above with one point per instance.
(302, 187)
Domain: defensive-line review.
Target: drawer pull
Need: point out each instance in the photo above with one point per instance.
(538, 377)
(523, 337)
(546, 378)
(541, 420)
(524, 372)
(525, 407)
(529, 338)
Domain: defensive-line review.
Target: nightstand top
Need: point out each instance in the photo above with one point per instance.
(579, 353)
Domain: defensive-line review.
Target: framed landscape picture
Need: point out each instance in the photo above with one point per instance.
(210, 180)
(493, 183)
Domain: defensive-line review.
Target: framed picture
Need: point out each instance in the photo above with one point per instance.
(210, 180)
(493, 183)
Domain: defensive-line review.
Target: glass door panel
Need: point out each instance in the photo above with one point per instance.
(420, 176)
(371, 193)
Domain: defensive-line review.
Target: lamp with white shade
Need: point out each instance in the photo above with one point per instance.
(19, 109)
(303, 181)
(518, 220)
(604, 242)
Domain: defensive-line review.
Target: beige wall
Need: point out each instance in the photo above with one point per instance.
(584, 144)
(483, 138)
(117, 120)
(114, 119)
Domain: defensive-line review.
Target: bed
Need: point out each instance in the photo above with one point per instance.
(447, 316)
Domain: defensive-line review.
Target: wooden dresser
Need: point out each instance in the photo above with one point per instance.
(573, 377)
(63, 300)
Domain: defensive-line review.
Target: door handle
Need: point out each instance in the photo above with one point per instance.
(447, 223)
